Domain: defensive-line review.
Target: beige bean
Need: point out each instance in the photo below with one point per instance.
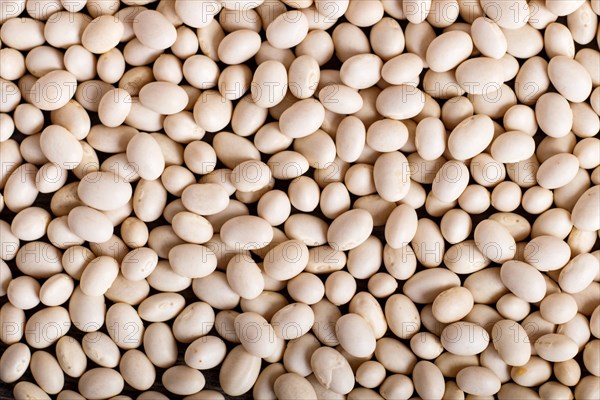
(544, 246)
(99, 383)
(128, 327)
(555, 347)
(523, 280)
(547, 176)
(479, 381)
(205, 199)
(322, 361)
(193, 322)
(256, 334)
(137, 371)
(15, 361)
(577, 274)
(576, 91)
(584, 214)
(339, 237)
(26, 389)
(355, 335)
(214, 290)
(161, 307)
(292, 385)
(99, 348)
(102, 34)
(464, 338)
(183, 380)
(293, 321)
(452, 305)
(402, 316)
(205, 353)
(413, 102)
(152, 29)
(428, 380)
(239, 371)
(244, 277)
(287, 30)
(395, 356)
(70, 356)
(302, 118)
(57, 317)
(56, 290)
(553, 114)
(440, 61)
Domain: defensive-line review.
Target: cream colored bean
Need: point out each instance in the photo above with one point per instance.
(452, 305)
(205, 353)
(584, 214)
(355, 335)
(555, 347)
(322, 361)
(128, 327)
(391, 176)
(30, 223)
(161, 307)
(471, 137)
(339, 237)
(98, 275)
(99, 383)
(247, 232)
(56, 290)
(152, 29)
(90, 224)
(547, 176)
(86, 312)
(464, 338)
(239, 371)
(523, 280)
(256, 334)
(137, 371)
(23, 292)
(193, 322)
(395, 356)
(428, 380)
(214, 290)
(205, 199)
(553, 114)
(5, 277)
(577, 274)
(29, 390)
(183, 380)
(402, 316)
(413, 102)
(293, 321)
(101, 349)
(53, 90)
(440, 61)
(541, 247)
(15, 361)
(102, 34)
(244, 277)
(70, 356)
(56, 317)
(165, 98)
(479, 381)
(104, 191)
(287, 30)
(184, 257)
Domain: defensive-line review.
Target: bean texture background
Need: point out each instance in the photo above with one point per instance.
(300, 199)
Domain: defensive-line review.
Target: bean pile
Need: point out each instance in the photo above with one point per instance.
(300, 199)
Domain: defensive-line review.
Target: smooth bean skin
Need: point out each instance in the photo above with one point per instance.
(170, 167)
(239, 371)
